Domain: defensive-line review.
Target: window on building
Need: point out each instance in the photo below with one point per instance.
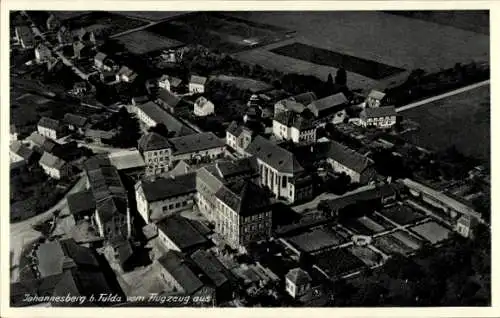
(283, 181)
(184, 203)
(178, 204)
(171, 206)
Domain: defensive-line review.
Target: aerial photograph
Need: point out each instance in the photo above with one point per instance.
(250, 159)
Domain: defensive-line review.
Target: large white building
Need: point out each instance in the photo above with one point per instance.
(295, 103)
(163, 197)
(197, 84)
(50, 128)
(289, 125)
(151, 114)
(280, 171)
(53, 166)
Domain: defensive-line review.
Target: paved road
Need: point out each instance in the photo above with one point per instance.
(445, 95)
(22, 233)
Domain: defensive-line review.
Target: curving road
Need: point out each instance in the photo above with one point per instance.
(22, 233)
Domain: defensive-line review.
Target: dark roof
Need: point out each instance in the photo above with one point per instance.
(328, 102)
(152, 141)
(211, 267)
(244, 197)
(384, 111)
(368, 195)
(76, 120)
(111, 206)
(22, 150)
(80, 202)
(181, 232)
(164, 188)
(168, 98)
(293, 119)
(235, 129)
(175, 264)
(51, 161)
(50, 145)
(305, 98)
(195, 79)
(160, 115)
(123, 249)
(37, 139)
(25, 34)
(82, 256)
(49, 123)
(196, 142)
(347, 157)
(273, 155)
(243, 166)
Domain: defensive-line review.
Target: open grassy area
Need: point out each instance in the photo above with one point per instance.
(104, 23)
(368, 35)
(141, 42)
(367, 68)
(243, 83)
(432, 231)
(461, 120)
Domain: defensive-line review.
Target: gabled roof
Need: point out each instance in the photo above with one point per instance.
(292, 119)
(75, 120)
(384, 111)
(164, 188)
(347, 157)
(127, 159)
(180, 168)
(51, 161)
(211, 267)
(228, 169)
(49, 123)
(273, 155)
(304, 98)
(328, 102)
(80, 202)
(21, 150)
(181, 232)
(244, 197)
(235, 129)
(37, 139)
(195, 142)
(168, 98)
(378, 95)
(195, 79)
(100, 56)
(202, 102)
(111, 206)
(153, 141)
(298, 276)
(175, 264)
(160, 115)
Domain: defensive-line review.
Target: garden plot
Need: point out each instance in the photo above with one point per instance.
(366, 255)
(315, 240)
(338, 262)
(402, 214)
(371, 224)
(390, 245)
(142, 42)
(432, 231)
(407, 239)
(243, 83)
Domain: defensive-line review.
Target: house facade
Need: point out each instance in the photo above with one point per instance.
(53, 166)
(280, 171)
(169, 83)
(345, 160)
(203, 107)
(50, 128)
(380, 117)
(197, 84)
(297, 282)
(374, 99)
(238, 137)
(292, 126)
(157, 153)
(328, 105)
(163, 197)
(42, 53)
(295, 103)
(198, 147)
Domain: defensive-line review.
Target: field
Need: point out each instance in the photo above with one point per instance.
(402, 214)
(315, 55)
(151, 15)
(243, 83)
(367, 35)
(103, 23)
(461, 120)
(338, 262)
(475, 21)
(218, 31)
(432, 232)
(141, 42)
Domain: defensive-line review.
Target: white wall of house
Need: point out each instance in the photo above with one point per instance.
(303, 135)
(157, 161)
(277, 182)
(338, 167)
(166, 242)
(281, 131)
(14, 157)
(148, 121)
(196, 88)
(47, 132)
(157, 210)
(212, 153)
(172, 284)
(203, 110)
(165, 84)
(55, 173)
(381, 122)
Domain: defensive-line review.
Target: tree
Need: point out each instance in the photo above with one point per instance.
(341, 77)
(161, 130)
